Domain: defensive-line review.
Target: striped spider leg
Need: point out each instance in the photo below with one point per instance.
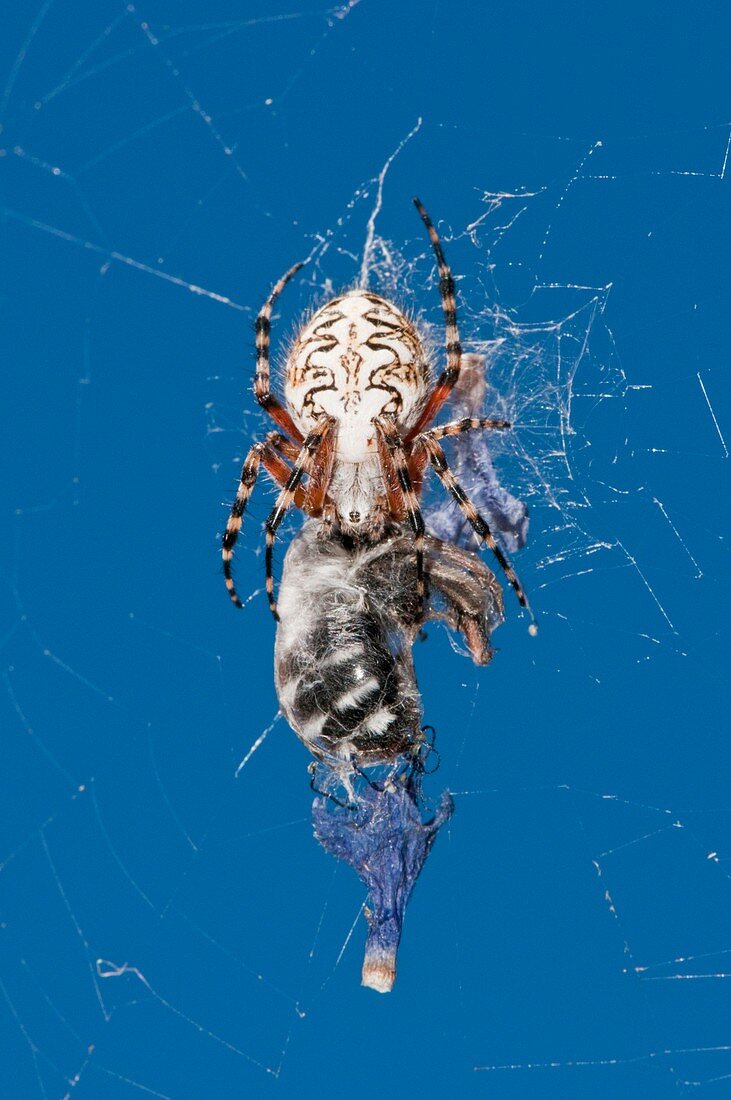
(427, 445)
(450, 375)
(262, 382)
(407, 463)
(269, 454)
(393, 453)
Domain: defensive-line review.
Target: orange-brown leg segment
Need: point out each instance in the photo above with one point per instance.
(315, 493)
(417, 461)
(305, 464)
(391, 437)
(450, 374)
(394, 497)
(418, 458)
(479, 525)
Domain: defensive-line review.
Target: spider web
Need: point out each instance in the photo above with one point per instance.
(169, 925)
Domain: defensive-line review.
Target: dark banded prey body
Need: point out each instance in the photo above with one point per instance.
(343, 667)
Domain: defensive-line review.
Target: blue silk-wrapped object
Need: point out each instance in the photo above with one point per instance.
(384, 839)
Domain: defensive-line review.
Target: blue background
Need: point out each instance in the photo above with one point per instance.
(576, 909)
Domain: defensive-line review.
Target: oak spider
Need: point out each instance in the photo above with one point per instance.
(359, 403)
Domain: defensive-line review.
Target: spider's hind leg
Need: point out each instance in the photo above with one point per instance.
(438, 460)
(264, 452)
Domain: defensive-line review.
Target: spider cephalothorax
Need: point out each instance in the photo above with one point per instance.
(360, 396)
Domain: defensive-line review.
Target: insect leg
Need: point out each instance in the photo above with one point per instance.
(467, 424)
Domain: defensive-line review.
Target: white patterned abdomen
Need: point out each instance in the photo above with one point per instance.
(357, 358)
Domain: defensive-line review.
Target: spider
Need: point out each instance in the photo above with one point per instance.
(359, 402)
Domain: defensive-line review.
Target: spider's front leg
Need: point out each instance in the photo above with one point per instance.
(426, 443)
(263, 452)
(262, 382)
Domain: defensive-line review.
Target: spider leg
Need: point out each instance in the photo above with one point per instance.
(262, 382)
(316, 492)
(390, 435)
(418, 457)
(448, 378)
(285, 446)
(394, 497)
(479, 525)
(467, 424)
(266, 452)
(304, 465)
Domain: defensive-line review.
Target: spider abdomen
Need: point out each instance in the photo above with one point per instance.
(359, 357)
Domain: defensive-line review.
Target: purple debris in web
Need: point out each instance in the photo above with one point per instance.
(382, 836)
(473, 467)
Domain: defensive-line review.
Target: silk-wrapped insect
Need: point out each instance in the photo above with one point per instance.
(344, 670)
